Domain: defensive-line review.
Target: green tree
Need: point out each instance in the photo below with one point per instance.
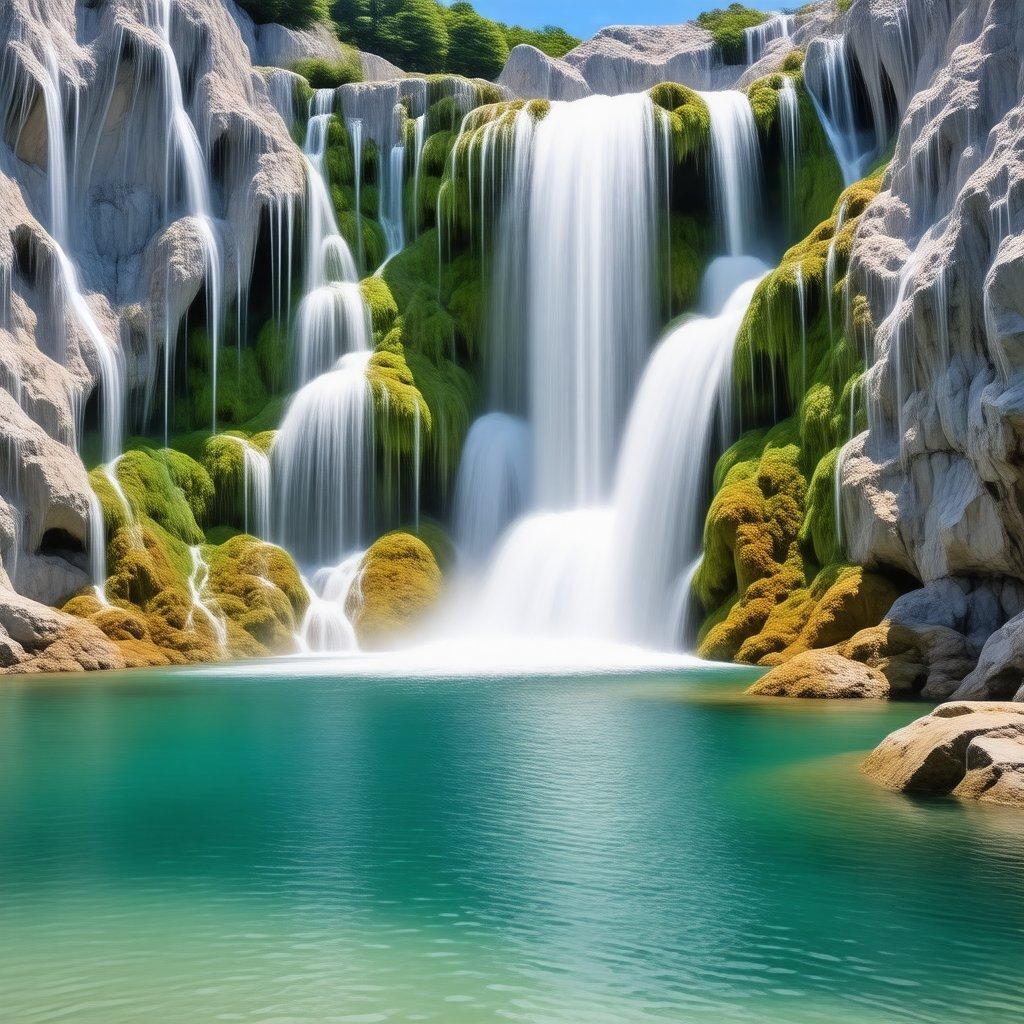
(553, 41)
(477, 48)
(292, 13)
(416, 36)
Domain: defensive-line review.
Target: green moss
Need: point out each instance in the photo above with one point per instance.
(727, 25)
(399, 584)
(686, 117)
(330, 74)
(381, 304)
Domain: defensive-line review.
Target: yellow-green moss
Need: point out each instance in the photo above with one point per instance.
(399, 584)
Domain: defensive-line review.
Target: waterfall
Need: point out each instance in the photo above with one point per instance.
(735, 169)
(778, 26)
(789, 122)
(591, 247)
(322, 464)
(391, 202)
(255, 488)
(109, 358)
(323, 455)
(493, 487)
(203, 601)
(682, 406)
(332, 318)
(419, 140)
(326, 627)
(801, 302)
(97, 540)
(191, 162)
(830, 267)
(829, 78)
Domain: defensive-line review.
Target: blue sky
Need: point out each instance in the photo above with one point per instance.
(585, 17)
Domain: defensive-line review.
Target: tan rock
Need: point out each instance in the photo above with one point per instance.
(931, 754)
(995, 771)
(822, 675)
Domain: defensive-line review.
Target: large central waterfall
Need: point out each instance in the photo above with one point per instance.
(617, 496)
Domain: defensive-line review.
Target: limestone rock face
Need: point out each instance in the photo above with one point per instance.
(974, 750)
(822, 674)
(531, 74)
(97, 269)
(631, 58)
(931, 489)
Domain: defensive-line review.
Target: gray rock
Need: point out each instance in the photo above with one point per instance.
(995, 771)
(531, 74)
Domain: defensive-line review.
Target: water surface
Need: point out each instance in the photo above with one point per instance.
(198, 847)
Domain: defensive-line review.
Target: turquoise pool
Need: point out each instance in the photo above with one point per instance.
(198, 847)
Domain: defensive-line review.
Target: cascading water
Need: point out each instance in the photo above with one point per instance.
(789, 123)
(109, 358)
(392, 202)
(735, 169)
(493, 487)
(255, 488)
(778, 26)
(185, 156)
(590, 298)
(203, 601)
(323, 455)
(829, 78)
(332, 318)
(682, 405)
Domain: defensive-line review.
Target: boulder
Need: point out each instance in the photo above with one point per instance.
(995, 771)
(931, 754)
(531, 75)
(822, 675)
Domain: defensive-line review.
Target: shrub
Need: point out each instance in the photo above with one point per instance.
(329, 74)
(727, 25)
(291, 13)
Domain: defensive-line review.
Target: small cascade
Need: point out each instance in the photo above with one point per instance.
(97, 541)
(109, 358)
(736, 169)
(326, 628)
(682, 408)
(332, 318)
(419, 140)
(829, 79)
(189, 160)
(493, 487)
(255, 488)
(789, 123)
(392, 203)
(830, 266)
(203, 600)
(322, 463)
(354, 125)
(758, 37)
(550, 578)
(801, 302)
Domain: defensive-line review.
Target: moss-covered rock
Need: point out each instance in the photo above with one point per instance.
(399, 584)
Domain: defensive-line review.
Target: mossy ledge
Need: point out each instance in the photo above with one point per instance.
(773, 580)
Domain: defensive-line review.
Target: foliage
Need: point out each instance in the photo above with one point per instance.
(553, 41)
(330, 74)
(727, 25)
(291, 13)
(477, 48)
(427, 36)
